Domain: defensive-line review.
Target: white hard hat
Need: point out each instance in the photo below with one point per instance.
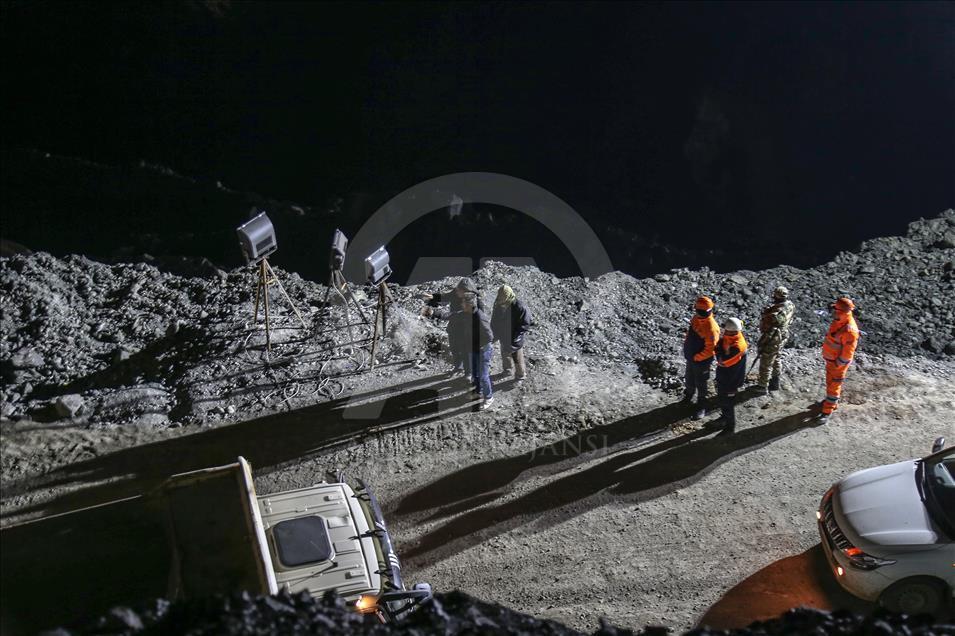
(733, 324)
(781, 292)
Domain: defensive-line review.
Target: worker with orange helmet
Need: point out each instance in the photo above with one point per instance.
(838, 348)
(730, 372)
(698, 349)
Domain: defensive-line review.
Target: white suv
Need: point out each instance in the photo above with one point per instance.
(889, 532)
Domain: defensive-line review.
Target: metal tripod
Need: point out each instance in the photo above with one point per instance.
(267, 277)
(336, 281)
(381, 315)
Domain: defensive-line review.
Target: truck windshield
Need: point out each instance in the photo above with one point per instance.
(938, 476)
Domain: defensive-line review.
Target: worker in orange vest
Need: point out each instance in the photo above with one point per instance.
(698, 349)
(730, 372)
(838, 348)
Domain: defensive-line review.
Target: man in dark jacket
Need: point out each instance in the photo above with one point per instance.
(698, 347)
(730, 372)
(454, 300)
(509, 322)
(480, 341)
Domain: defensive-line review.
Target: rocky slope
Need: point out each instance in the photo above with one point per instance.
(117, 344)
(585, 493)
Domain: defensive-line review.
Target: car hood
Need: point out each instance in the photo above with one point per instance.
(882, 506)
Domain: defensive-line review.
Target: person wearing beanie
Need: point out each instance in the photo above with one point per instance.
(454, 300)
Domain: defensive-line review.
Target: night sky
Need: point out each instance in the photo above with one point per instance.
(818, 123)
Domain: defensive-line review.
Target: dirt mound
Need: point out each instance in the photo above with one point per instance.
(451, 613)
(118, 344)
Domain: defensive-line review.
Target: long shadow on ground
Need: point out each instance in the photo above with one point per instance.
(449, 493)
(267, 442)
(638, 475)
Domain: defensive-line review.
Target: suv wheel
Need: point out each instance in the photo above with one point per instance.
(918, 595)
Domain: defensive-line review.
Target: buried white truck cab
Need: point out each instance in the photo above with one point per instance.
(200, 533)
(889, 532)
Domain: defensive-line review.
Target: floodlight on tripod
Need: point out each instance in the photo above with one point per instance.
(257, 238)
(257, 242)
(336, 279)
(336, 255)
(377, 272)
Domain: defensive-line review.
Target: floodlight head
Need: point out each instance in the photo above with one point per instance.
(376, 266)
(336, 258)
(257, 238)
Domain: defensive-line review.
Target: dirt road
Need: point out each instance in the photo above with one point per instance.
(585, 493)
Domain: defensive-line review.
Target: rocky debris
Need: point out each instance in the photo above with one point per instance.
(69, 405)
(141, 345)
(450, 613)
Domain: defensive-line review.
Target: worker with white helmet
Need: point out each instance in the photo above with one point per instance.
(730, 371)
(773, 333)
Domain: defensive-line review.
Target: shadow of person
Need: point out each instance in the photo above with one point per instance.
(477, 480)
(486, 477)
(638, 475)
(267, 442)
(800, 580)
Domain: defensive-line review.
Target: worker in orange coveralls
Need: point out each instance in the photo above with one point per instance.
(837, 349)
(730, 372)
(698, 349)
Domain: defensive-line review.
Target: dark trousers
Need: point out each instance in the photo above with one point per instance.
(697, 376)
(481, 370)
(727, 401)
(460, 361)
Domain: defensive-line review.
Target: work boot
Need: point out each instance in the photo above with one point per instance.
(759, 389)
(774, 383)
(700, 414)
(823, 418)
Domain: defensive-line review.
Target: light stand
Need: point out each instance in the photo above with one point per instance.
(336, 278)
(377, 271)
(384, 298)
(257, 241)
(267, 277)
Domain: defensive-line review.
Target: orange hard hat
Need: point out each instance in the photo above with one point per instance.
(703, 302)
(844, 304)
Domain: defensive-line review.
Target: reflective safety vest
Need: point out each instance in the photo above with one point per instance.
(841, 341)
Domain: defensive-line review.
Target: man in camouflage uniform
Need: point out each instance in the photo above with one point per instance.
(773, 334)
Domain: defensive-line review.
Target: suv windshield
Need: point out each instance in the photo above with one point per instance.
(938, 484)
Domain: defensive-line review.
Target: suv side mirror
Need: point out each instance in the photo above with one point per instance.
(938, 444)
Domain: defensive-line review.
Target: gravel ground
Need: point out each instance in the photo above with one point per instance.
(585, 493)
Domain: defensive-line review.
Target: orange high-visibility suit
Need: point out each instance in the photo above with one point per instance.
(838, 347)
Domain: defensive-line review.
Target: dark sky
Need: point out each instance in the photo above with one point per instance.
(692, 121)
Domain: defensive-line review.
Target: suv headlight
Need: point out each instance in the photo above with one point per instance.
(859, 559)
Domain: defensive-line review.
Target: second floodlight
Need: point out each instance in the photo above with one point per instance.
(376, 266)
(336, 256)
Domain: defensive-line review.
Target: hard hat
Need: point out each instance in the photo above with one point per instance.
(703, 302)
(844, 304)
(733, 324)
(781, 293)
